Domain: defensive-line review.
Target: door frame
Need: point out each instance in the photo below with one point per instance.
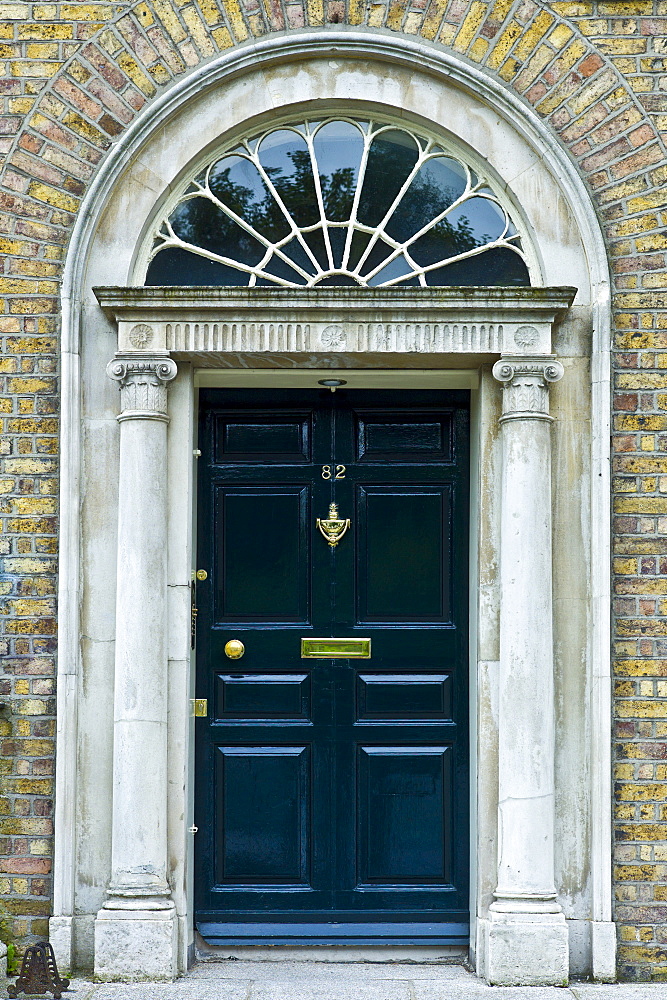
(192, 337)
(477, 383)
(468, 328)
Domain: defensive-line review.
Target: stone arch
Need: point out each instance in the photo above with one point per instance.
(95, 94)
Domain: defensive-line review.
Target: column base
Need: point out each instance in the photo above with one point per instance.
(527, 949)
(603, 947)
(61, 933)
(136, 944)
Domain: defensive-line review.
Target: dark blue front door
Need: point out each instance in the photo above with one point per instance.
(332, 794)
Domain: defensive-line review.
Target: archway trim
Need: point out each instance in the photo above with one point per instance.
(391, 48)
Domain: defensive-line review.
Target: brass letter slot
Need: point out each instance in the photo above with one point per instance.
(327, 649)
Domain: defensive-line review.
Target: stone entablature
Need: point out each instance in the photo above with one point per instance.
(206, 321)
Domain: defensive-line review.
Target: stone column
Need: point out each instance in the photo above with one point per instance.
(527, 940)
(135, 931)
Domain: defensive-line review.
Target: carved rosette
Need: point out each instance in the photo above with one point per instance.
(526, 384)
(143, 386)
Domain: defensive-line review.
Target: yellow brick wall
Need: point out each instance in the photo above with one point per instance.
(74, 76)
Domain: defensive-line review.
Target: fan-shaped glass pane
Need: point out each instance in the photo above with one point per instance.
(315, 242)
(238, 184)
(296, 250)
(497, 266)
(398, 267)
(173, 264)
(337, 202)
(201, 223)
(391, 159)
(436, 186)
(338, 241)
(281, 269)
(339, 147)
(285, 157)
(484, 219)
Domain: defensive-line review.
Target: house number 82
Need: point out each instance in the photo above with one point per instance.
(339, 472)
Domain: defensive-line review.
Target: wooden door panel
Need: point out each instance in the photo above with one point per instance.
(262, 553)
(279, 697)
(390, 437)
(403, 815)
(263, 800)
(404, 554)
(262, 437)
(404, 697)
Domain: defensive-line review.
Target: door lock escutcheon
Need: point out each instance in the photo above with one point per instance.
(199, 707)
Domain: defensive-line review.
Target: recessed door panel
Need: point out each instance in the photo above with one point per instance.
(391, 437)
(331, 789)
(263, 812)
(263, 696)
(403, 815)
(403, 567)
(262, 567)
(244, 437)
(404, 697)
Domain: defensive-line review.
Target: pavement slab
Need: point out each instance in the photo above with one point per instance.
(79, 989)
(378, 989)
(183, 989)
(266, 980)
(476, 989)
(619, 991)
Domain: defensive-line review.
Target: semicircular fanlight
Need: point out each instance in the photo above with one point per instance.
(337, 202)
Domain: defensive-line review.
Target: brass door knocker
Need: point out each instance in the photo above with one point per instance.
(333, 527)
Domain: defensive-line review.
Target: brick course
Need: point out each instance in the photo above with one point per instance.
(74, 77)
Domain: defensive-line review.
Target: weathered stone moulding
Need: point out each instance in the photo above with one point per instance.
(525, 916)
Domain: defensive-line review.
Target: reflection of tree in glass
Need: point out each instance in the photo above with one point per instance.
(424, 201)
(263, 215)
(199, 222)
(297, 189)
(388, 167)
(338, 194)
(445, 240)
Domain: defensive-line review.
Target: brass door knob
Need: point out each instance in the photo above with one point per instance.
(234, 649)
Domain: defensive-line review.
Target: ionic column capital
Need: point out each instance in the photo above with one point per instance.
(526, 384)
(143, 386)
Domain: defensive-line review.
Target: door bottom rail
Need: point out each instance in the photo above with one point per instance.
(301, 933)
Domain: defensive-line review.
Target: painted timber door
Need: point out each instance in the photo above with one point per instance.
(332, 792)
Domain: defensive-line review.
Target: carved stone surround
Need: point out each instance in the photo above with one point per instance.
(198, 324)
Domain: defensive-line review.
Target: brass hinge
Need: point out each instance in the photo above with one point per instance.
(199, 707)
